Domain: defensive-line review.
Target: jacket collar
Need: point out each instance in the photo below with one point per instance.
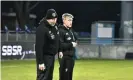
(63, 27)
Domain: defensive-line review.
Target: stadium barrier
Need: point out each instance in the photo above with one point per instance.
(22, 46)
(26, 50)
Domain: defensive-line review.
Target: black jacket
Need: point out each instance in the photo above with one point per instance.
(47, 41)
(67, 36)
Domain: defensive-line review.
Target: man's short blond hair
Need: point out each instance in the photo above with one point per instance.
(67, 15)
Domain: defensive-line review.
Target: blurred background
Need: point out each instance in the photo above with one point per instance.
(104, 28)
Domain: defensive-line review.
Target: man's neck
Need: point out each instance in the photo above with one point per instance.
(65, 26)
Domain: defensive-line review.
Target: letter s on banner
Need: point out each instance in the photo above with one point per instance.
(4, 50)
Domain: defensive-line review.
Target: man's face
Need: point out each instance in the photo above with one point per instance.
(52, 22)
(68, 21)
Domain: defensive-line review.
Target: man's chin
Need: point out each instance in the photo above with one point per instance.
(52, 24)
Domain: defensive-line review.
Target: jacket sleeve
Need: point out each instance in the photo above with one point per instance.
(63, 44)
(40, 41)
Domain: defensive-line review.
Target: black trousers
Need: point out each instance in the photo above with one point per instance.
(47, 74)
(66, 68)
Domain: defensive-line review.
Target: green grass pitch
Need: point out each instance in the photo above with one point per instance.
(90, 69)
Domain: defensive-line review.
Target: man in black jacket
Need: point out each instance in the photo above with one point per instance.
(68, 43)
(47, 45)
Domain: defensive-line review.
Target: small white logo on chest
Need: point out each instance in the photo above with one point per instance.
(66, 33)
(58, 32)
(49, 32)
(69, 38)
(52, 36)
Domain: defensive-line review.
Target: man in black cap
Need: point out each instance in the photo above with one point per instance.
(47, 45)
(68, 43)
